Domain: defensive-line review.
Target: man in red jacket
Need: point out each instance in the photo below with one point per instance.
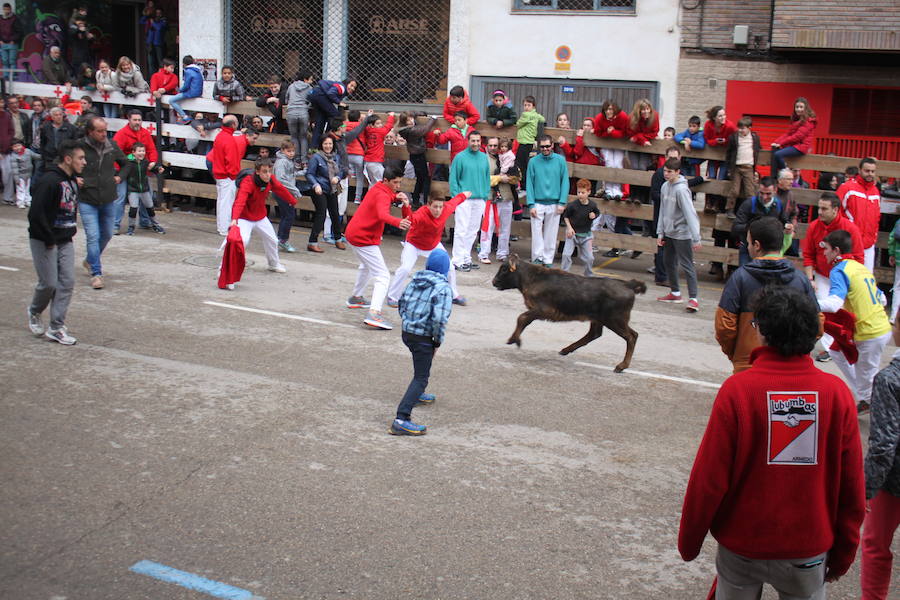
(778, 478)
(126, 138)
(816, 266)
(861, 203)
(227, 153)
(364, 233)
(250, 212)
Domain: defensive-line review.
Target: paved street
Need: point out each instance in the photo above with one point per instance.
(251, 448)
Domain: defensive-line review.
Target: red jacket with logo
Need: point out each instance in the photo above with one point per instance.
(126, 138)
(619, 123)
(861, 203)
(250, 202)
(814, 256)
(367, 225)
(466, 106)
(375, 141)
(779, 472)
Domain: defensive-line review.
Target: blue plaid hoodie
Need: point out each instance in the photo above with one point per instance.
(425, 305)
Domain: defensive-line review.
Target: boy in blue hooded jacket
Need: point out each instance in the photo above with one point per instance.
(425, 309)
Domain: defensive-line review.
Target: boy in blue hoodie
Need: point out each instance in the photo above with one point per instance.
(425, 309)
(692, 139)
(191, 87)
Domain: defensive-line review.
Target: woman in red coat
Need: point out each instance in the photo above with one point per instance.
(716, 132)
(799, 137)
(643, 128)
(612, 122)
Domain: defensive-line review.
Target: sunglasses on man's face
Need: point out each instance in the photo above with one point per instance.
(543, 147)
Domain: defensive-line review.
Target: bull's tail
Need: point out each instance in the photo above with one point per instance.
(638, 287)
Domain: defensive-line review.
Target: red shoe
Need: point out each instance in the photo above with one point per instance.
(670, 297)
(692, 305)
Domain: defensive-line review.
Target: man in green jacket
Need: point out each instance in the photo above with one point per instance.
(548, 191)
(470, 171)
(98, 194)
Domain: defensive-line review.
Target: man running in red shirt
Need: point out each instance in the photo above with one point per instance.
(364, 234)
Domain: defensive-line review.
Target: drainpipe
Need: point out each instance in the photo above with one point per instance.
(771, 23)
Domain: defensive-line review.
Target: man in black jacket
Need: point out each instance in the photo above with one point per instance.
(273, 100)
(764, 204)
(51, 226)
(98, 194)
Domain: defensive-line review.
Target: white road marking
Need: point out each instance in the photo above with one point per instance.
(272, 313)
(706, 384)
(8, 269)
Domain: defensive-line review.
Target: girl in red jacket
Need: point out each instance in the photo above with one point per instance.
(799, 137)
(373, 138)
(716, 132)
(643, 128)
(249, 211)
(612, 122)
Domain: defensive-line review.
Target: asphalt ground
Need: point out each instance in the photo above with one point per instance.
(251, 448)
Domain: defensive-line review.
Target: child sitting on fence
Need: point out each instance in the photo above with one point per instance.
(228, 89)
(139, 192)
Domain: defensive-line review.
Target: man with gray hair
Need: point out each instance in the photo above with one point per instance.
(98, 194)
(52, 134)
(54, 68)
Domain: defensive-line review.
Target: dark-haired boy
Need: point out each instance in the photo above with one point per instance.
(191, 87)
(678, 233)
(228, 89)
(779, 431)
(530, 121)
(734, 317)
(458, 101)
(691, 139)
(741, 154)
(578, 216)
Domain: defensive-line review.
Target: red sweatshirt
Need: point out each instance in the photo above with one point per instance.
(367, 225)
(814, 256)
(861, 203)
(457, 139)
(355, 147)
(375, 141)
(582, 154)
(619, 122)
(644, 131)
(713, 134)
(126, 138)
(425, 231)
(800, 135)
(779, 471)
(166, 81)
(466, 106)
(227, 153)
(250, 202)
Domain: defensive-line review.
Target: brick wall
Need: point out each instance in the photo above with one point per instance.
(718, 20)
(695, 96)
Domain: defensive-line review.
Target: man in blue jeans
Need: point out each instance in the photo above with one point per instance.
(97, 197)
(191, 87)
(10, 37)
(425, 309)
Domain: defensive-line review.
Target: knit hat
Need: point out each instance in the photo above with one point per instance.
(498, 93)
(438, 261)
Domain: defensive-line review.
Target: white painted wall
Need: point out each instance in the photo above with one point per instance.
(201, 32)
(487, 39)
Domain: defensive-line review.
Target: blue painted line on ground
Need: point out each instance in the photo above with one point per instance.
(191, 581)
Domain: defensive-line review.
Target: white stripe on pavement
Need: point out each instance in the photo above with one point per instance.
(8, 269)
(706, 384)
(272, 313)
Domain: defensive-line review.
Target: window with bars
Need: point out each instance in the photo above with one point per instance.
(609, 6)
(856, 111)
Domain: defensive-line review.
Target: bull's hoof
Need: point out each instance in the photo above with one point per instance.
(564, 351)
(515, 341)
(619, 368)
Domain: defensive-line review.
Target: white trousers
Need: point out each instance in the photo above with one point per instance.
(374, 173)
(467, 224)
(544, 231)
(408, 258)
(371, 267)
(342, 206)
(23, 192)
(269, 239)
(895, 302)
(613, 159)
(861, 375)
(869, 258)
(225, 193)
(504, 215)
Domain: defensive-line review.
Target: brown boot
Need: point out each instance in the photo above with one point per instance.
(340, 245)
(314, 248)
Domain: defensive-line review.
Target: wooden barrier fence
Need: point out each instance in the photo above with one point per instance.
(435, 156)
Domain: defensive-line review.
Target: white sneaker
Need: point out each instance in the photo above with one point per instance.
(229, 287)
(279, 268)
(60, 335)
(35, 324)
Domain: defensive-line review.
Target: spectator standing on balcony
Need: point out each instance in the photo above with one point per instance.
(129, 79)
(741, 156)
(297, 102)
(106, 83)
(273, 99)
(54, 68)
(325, 97)
(228, 89)
(799, 137)
(11, 33)
(156, 27)
(373, 138)
(611, 122)
(530, 121)
(191, 87)
(861, 203)
(80, 40)
(643, 128)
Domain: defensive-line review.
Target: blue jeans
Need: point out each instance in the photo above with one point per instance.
(8, 55)
(325, 111)
(173, 102)
(422, 355)
(121, 197)
(98, 229)
(717, 170)
(287, 214)
(779, 156)
(110, 111)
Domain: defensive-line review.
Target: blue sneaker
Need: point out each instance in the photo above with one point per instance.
(399, 427)
(328, 240)
(460, 301)
(393, 303)
(427, 398)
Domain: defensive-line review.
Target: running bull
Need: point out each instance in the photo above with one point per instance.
(555, 295)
